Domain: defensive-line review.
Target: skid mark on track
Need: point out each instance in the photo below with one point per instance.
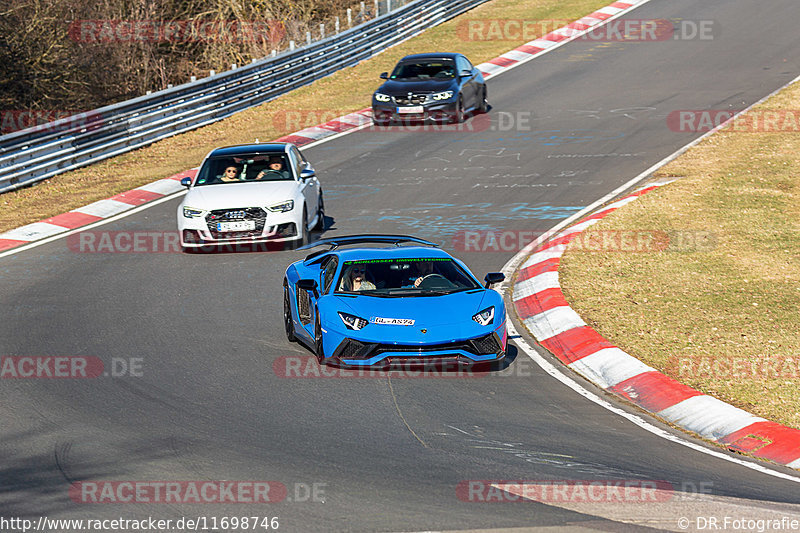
(400, 413)
(517, 449)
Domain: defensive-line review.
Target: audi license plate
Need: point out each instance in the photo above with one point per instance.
(408, 110)
(239, 225)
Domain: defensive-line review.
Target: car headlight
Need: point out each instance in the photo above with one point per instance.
(444, 95)
(352, 322)
(282, 207)
(191, 212)
(485, 317)
(383, 97)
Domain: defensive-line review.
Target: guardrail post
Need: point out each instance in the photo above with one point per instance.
(291, 45)
(233, 66)
(349, 18)
(322, 31)
(363, 11)
(336, 25)
(308, 37)
(388, 6)
(211, 73)
(193, 79)
(377, 7)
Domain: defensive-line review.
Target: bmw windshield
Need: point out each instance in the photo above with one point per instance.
(439, 69)
(404, 277)
(244, 168)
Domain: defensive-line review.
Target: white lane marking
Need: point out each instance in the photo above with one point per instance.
(536, 284)
(709, 417)
(635, 419)
(514, 260)
(104, 208)
(549, 46)
(609, 366)
(553, 322)
(90, 226)
(510, 267)
(33, 231)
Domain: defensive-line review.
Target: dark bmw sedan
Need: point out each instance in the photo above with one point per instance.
(436, 86)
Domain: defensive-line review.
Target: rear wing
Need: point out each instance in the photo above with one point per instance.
(345, 240)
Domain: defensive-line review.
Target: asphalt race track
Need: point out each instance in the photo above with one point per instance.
(385, 454)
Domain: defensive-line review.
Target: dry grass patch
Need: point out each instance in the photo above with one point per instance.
(723, 317)
(346, 91)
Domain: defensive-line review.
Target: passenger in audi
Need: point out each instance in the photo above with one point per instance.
(231, 174)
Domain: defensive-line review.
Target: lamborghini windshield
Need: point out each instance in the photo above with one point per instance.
(404, 277)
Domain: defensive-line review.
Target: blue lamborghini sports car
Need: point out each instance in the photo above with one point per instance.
(394, 300)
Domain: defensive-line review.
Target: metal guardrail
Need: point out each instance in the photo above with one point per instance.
(42, 152)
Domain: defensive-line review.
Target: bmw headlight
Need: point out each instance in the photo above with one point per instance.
(383, 97)
(444, 95)
(282, 207)
(352, 322)
(191, 212)
(485, 317)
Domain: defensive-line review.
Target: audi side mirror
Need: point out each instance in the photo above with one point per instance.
(384, 75)
(186, 182)
(307, 172)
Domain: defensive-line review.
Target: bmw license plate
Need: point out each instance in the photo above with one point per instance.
(239, 225)
(414, 109)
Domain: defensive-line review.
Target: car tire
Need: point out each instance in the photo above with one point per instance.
(288, 321)
(303, 240)
(319, 348)
(483, 107)
(458, 117)
(320, 226)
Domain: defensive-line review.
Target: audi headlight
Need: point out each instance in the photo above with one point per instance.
(191, 212)
(352, 322)
(383, 97)
(444, 95)
(485, 317)
(282, 207)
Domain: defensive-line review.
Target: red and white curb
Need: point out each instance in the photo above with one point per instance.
(93, 212)
(546, 314)
(347, 123)
(556, 38)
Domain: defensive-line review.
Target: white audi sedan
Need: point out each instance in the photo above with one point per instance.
(251, 193)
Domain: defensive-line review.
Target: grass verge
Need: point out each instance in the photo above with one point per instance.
(720, 313)
(346, 91)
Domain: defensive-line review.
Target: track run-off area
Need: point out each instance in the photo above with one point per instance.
(195, 382)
